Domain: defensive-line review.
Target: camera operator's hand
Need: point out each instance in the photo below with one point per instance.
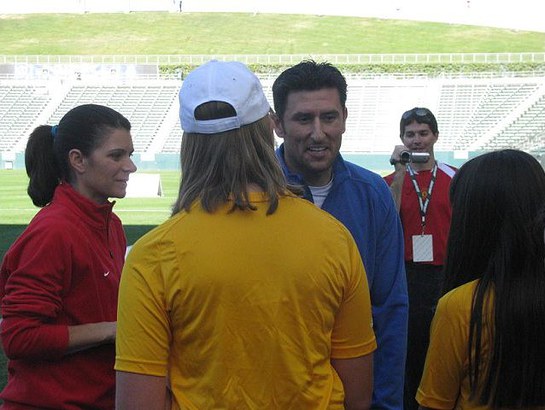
(395, 159)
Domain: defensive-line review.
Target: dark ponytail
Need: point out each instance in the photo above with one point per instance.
(41, 166)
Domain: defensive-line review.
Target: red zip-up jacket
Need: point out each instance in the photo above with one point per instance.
(63, 270)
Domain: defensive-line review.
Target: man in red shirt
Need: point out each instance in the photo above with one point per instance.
(420, 191)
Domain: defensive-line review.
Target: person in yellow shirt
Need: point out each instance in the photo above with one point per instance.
(248, 297)
(486, 342)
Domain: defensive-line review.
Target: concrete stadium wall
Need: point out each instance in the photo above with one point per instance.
(379, 163)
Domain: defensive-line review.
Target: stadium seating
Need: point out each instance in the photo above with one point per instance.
(374, 107)
(20, 105)
(526, 132)
(174, 139)
(473, 113)
(146, 106)
(457, 102)
(497, 103)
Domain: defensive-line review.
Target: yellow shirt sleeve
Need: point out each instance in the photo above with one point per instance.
(142, 314)
(446, 360)
(353, 334)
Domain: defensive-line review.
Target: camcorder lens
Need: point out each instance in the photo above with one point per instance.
(417, 157)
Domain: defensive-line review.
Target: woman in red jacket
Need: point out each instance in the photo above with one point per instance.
(59, 280)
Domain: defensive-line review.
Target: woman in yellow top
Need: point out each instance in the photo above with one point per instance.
(486, 349)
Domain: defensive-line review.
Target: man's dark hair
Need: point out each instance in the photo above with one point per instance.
(308, 75)
(421, 115)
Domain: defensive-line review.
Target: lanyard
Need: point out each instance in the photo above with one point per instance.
(423, 199)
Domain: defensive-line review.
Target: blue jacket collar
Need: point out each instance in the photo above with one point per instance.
(340, 169)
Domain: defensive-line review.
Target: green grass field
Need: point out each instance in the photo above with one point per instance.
(138, 214)
(227, 33)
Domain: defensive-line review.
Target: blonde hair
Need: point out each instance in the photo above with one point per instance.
(220, 167)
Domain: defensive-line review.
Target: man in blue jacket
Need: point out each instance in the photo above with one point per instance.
(310, 104)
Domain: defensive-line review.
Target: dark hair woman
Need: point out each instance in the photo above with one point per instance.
(59, 280)
(486, 349)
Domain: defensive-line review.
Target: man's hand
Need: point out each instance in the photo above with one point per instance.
(395, 159)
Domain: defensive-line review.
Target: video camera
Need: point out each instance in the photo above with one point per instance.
(406, 157)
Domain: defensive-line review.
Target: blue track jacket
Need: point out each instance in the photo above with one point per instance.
(362, 201)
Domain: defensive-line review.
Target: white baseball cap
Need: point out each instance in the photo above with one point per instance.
(230, 82)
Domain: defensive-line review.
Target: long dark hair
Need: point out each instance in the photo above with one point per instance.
(497, 237)
(46, 153)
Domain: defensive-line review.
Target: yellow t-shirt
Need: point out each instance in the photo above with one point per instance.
(244, 310)
(445, 381)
